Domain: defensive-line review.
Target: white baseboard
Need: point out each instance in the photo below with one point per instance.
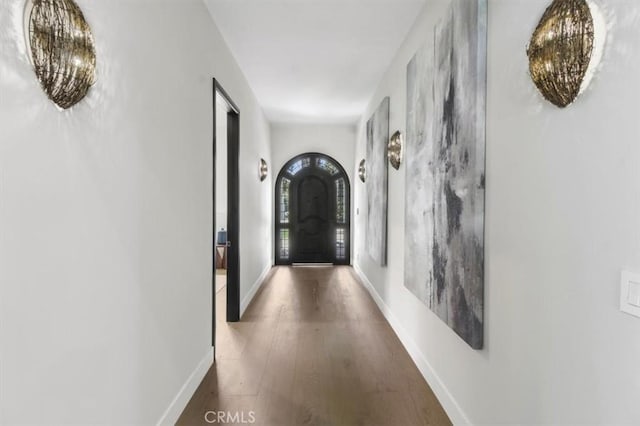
(453, 410)
(254, 289)
(177, 406)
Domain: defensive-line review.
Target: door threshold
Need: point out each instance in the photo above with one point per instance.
(311, 265)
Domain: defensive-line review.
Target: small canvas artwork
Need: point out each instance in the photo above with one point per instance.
(445, 158)
(376, 181)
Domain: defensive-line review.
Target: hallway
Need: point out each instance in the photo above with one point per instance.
(313, 349)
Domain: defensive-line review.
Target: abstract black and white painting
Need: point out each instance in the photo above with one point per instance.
(445, 157)
(376, 181)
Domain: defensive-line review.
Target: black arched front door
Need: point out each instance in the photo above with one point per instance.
(312, 212)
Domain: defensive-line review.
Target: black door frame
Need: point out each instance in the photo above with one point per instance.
(233, 204)
(347, 225)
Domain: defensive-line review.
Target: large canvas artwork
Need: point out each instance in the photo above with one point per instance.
(376, 181)
(444, 223)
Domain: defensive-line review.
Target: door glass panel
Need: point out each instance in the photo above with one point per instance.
(285, 184)
(327, 166)
(340, 210)
(340, 246)
(299, 165)
(284, 244)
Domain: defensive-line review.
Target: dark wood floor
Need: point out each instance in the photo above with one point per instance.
(313, 349)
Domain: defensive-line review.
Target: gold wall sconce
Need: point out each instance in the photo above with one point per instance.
(394, 150)
(565, 48)
(263, 170)
(362, 171)
(61, 49)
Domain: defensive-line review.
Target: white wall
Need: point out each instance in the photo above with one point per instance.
(105, 216)
(334, 140)
(562, 211)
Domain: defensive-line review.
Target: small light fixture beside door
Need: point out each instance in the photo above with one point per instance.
(362, 171)
(395, 150)
(263, 170)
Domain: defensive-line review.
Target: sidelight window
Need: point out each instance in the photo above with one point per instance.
(340, 205)
(284, 244)
(340, 243)
(285, 184)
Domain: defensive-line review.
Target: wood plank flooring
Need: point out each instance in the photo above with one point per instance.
(312, 349)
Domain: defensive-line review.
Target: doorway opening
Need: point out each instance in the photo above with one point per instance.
(226, 220)
(312, 212)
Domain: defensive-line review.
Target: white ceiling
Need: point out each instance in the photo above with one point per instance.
(314, 60)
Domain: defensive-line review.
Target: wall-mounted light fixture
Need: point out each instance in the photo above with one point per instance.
(394, 150)
(61, 49)
(565, 49)
(362, 170)
(263, 170)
